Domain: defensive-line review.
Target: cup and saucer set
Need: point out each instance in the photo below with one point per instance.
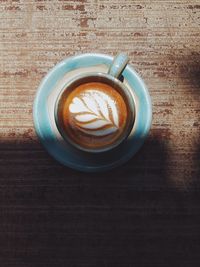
(92, 112)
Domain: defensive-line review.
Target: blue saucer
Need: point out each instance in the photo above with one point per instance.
(68, 155)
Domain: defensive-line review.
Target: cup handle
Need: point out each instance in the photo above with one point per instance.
(118, 65)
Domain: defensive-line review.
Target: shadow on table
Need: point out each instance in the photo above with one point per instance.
(190, 69)
(187, 78)
(131, 216)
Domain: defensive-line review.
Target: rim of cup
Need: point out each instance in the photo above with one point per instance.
(121, 88)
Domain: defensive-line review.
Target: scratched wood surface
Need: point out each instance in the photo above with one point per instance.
(146, 213)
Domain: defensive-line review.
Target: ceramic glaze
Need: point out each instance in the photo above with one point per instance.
(45, 126)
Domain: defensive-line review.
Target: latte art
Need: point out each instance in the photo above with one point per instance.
(95, 113)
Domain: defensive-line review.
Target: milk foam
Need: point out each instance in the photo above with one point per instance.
(95, 113)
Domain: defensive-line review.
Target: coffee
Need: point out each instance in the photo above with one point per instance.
(93, 115)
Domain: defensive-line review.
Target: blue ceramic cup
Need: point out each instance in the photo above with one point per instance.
(112, 78)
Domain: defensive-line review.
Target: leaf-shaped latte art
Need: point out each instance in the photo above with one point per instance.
(95, 113)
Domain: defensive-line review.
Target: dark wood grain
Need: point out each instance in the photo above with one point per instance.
(145, 213)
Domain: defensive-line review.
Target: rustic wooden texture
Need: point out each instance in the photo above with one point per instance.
(146, 213)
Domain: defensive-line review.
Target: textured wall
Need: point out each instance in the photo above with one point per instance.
(147, 212)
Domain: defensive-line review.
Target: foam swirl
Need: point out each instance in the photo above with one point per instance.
(95, 113)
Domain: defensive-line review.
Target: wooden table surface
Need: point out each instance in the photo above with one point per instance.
(146, 213)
